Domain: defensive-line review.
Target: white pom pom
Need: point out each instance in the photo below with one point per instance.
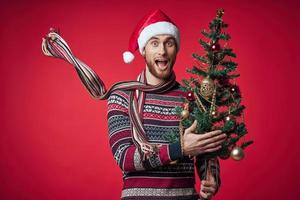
(128, 57)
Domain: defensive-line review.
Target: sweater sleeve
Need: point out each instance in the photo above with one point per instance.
(124, 150)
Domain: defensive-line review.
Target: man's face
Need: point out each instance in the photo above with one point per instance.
(160, 55)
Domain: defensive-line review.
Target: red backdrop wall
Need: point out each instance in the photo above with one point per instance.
(54, 141)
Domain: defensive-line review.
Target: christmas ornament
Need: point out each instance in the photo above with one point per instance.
(213, 102)
(237, 153)
(190, 96)
(220, 13)
(200, 104)
(223, 82)
(185, 114)
(234, 89)
(187, 107)
(215, 47)
(213, 113)
(207, 87)
(228, 118)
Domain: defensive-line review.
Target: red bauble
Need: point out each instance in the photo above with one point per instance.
(215, 47)
(190, 96)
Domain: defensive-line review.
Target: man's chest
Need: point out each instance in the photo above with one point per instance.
(160, 117)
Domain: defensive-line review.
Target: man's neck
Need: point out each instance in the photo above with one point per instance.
(152, 80)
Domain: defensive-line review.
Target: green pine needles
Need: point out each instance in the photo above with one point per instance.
(213, 98)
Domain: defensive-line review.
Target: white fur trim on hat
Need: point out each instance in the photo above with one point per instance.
(156, 29)
(128, 57)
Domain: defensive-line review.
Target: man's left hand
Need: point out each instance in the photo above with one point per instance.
(208, 188)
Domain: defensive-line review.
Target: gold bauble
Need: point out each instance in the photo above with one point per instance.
(185, 114)
(207, 87)
(237, 153)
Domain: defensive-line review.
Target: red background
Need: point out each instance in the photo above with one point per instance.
(54, 141)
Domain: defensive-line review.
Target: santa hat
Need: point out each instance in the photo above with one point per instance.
(154, 23)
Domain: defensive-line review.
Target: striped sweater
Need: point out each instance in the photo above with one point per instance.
(157, 177)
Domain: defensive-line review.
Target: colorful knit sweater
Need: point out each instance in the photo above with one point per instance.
(157, 177)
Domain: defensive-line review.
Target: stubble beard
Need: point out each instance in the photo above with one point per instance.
(164, 75)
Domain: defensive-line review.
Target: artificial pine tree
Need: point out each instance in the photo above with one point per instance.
(213, 98)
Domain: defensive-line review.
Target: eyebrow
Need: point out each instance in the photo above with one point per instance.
(156, 38)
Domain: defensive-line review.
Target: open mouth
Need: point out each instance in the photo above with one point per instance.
(162, 63)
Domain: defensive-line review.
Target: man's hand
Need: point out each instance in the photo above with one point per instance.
(208, 187)
(195, 144)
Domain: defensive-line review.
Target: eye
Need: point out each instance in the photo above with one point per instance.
(170, 43)
(154, 43)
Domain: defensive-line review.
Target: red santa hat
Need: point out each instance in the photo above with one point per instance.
(154, 23)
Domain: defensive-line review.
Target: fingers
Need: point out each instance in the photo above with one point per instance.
(208, 189)
(206, 183)
(205, 195)
(214, 142)
(195, 144)
(192, 128)
(211, 134)
(212, 149)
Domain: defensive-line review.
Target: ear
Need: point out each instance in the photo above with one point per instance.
(143, 52)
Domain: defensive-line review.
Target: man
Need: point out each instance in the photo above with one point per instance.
(139, 147)
(141, 112)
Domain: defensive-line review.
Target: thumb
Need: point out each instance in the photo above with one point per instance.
(192, 128)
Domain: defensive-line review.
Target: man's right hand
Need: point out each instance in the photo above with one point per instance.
(196, 144)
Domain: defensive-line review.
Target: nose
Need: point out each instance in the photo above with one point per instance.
(162, 49)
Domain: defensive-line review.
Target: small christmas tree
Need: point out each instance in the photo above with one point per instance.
(213, 98)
